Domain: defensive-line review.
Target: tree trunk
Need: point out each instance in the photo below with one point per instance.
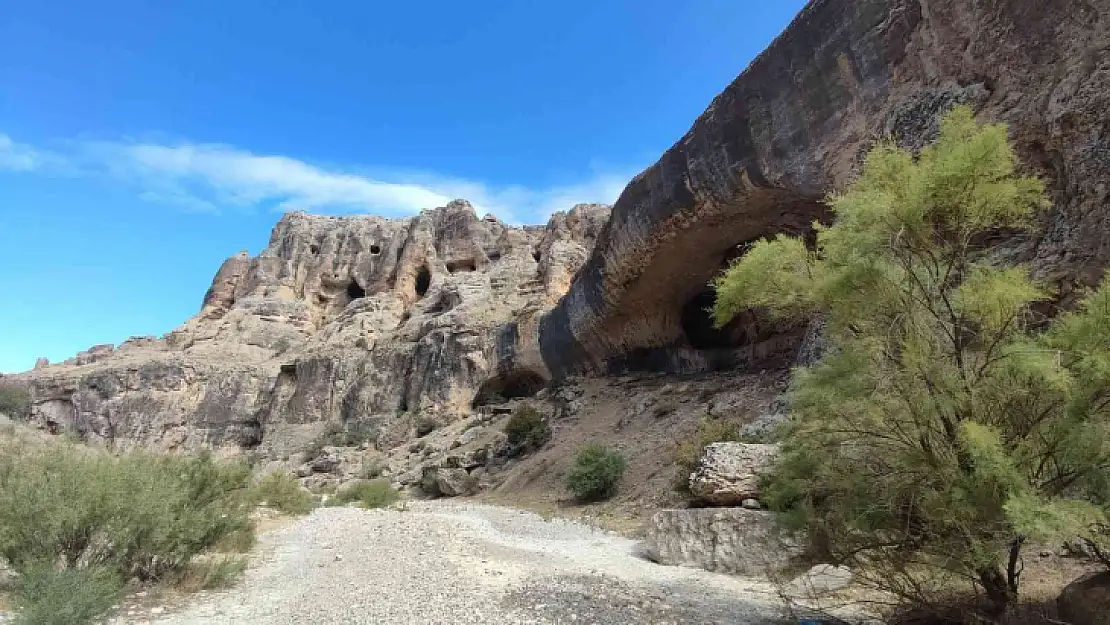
(999, 592)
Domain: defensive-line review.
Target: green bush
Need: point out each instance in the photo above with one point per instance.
(689, 452)
(370, 494)
(280, 491)
(595, 473)
(47, 596)
(527, 428)
(138, 515)
(946, 427)
(15, 401)
(210, 573)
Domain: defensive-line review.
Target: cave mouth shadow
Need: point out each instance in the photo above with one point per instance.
(355, 290)
(423, 281)
(515, 384)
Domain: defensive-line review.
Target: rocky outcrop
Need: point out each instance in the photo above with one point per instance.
(794, 126)
(728, 540)
(1086, 601)
(728, 473)
(340, 321)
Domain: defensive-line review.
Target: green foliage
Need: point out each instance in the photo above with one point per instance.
(940, 431)
(689, 452)
(15, 401)
(47, 596)
(138, 515)
(527, 428)
(280, 491)
(210, 573)
(595, 473)
(337, 435)
(369, 494)
(372, 468)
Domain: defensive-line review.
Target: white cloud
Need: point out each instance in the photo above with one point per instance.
(210, 177)
(19, 156)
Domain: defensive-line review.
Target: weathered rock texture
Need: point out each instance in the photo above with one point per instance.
(794, 126)
(729, 473)
(729, 540)
(340, 320)
(1086, 601)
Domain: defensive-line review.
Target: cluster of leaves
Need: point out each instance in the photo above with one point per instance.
(15, 401)
(75, 524)
(367, 494)
(595, 473)
(689, 452)
(347, 435)
(280, 491)
(527, 429)
(940, 431)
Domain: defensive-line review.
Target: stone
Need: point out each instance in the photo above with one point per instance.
(455, 482)
(1086, 601)
(729, 472)
(726, 540)
(327, 463)
(819, 580)
(751, 504)
(303, 470)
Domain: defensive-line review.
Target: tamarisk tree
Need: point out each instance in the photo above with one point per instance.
(947, 424)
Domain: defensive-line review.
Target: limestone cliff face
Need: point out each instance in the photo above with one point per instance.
(794, 126)
(339, 320)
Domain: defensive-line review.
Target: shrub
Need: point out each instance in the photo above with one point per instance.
(527, 428)
(371, 494)
(372, 468)
(689, 452)
(15, 401)
(425, 426)
(138, 515)
(47, 596)
(941, 431)
(280, 491)
(595, 473)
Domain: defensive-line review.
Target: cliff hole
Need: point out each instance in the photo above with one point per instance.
(697, 324)
(314, 249)
(461, 265)
(355, 290)
(375, 249)
(516, 384)
(423, 281)
(494, 256)
(536, 256)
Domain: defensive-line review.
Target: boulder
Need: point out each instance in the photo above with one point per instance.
(726, 540)
(1086, 601)
(455, 482)
(728, 473)
(819, 580)
(327, 463)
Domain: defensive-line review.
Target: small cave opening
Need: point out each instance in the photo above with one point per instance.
(423, 281)
(494, 256)
(375, 249)
(456, 266)
(314, 249)
(355, 290)
(250, 434)
(516, 384)
(697, 324)
(536, 256)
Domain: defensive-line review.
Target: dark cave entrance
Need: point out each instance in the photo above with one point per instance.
(355, 290)
(516, 384)
(461, 265)
(697, 323)
(423, 281)
(375, 249)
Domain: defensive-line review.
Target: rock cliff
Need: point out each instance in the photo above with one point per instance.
(340, 320)
(793, 127)
(373, 321)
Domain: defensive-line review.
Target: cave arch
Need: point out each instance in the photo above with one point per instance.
(515, 384)
(423, 281)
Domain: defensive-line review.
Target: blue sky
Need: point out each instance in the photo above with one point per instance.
(141, 143)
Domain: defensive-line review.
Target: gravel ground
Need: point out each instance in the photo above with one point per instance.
(442, 562)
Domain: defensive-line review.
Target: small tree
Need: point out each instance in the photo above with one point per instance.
(940, 432)
(15, 401)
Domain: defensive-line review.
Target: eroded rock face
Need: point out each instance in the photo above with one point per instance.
(728, 473)
(727, 540)
(795, 125)
(340, 320)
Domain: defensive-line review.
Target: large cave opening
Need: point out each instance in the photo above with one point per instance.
(697, 323)
(516, 384)
(423, 281)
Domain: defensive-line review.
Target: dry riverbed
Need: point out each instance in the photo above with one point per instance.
(444, 562)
